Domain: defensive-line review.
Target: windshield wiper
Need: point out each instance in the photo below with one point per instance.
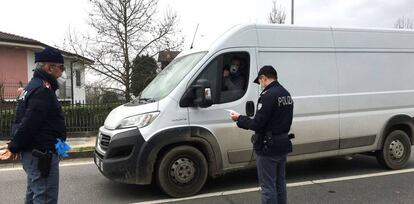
(139, 100)
(149, 100)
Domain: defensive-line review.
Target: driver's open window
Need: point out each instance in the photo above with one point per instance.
(228, 74)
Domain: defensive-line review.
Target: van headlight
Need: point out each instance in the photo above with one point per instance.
(138, 121)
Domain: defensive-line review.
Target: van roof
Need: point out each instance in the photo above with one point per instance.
(272, 35)
(279, 36)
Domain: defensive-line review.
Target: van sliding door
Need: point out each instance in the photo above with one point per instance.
(310, 75)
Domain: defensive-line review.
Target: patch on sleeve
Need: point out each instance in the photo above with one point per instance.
(259, 106)
(22, 95)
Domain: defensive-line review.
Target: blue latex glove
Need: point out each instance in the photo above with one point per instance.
(62, 148)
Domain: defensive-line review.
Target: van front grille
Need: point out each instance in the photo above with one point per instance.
(105, 139)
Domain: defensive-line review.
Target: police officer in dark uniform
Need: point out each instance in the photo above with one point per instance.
(39, 123)
(271, 141)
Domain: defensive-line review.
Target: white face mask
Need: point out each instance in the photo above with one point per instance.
(234, 69)
(262, 87)
(62, 78)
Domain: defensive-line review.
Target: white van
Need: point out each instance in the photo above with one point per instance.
(353, 91)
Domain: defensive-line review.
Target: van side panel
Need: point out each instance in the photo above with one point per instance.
(375, 84)
(373, 39)
(311, 79)
(306, 66)
(292, 37)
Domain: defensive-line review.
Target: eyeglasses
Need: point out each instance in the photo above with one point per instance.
(60, 66)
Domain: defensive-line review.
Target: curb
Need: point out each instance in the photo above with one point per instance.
(82, 154)
(77, 153)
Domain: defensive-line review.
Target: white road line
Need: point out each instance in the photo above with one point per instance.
(61, 165)
(296, 184)
(207, 195)
(76, 164)
(303, 183)
(11, 169)
(364, 176)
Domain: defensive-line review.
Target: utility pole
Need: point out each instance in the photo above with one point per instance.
(293, 12)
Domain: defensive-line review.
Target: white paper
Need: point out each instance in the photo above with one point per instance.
(229, 110)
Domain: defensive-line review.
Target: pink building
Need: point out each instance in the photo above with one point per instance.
(17, 64)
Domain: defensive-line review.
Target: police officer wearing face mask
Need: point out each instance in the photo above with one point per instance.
(39, 123)
(271, 141)
(233, 80)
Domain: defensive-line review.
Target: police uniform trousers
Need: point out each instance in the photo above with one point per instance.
(271, 172)
(41, 190)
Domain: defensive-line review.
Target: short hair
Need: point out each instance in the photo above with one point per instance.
(271, 76)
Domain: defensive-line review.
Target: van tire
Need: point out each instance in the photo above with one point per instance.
(182, 171)
(396, 150)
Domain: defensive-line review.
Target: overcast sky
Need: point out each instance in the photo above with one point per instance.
(48, 20)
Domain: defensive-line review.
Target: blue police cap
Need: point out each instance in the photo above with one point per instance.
(267, 70)
(49, 55)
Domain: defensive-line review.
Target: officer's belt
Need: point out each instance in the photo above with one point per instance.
(277, 135)
(47, 150)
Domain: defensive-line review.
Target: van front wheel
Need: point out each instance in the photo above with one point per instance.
(395, 151)
(182, 171)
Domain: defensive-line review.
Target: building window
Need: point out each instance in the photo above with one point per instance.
(78, 77)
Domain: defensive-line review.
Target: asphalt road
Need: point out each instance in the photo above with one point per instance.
(81, 182)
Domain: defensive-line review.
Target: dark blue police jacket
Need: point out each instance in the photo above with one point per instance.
(39, 118)
(274, 114)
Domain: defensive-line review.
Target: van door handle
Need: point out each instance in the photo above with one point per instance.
(250, 108)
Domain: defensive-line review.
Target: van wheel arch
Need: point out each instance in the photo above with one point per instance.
(399, 122)
(199, 137)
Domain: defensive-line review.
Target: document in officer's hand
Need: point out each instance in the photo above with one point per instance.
(229, 110)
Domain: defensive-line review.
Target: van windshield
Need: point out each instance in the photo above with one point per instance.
(169, 78)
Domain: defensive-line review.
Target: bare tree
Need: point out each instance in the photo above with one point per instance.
(404, 23)
(277, 15)
(125, 29)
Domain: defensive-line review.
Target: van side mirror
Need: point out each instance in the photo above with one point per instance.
(202, 91)
(198, 94)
